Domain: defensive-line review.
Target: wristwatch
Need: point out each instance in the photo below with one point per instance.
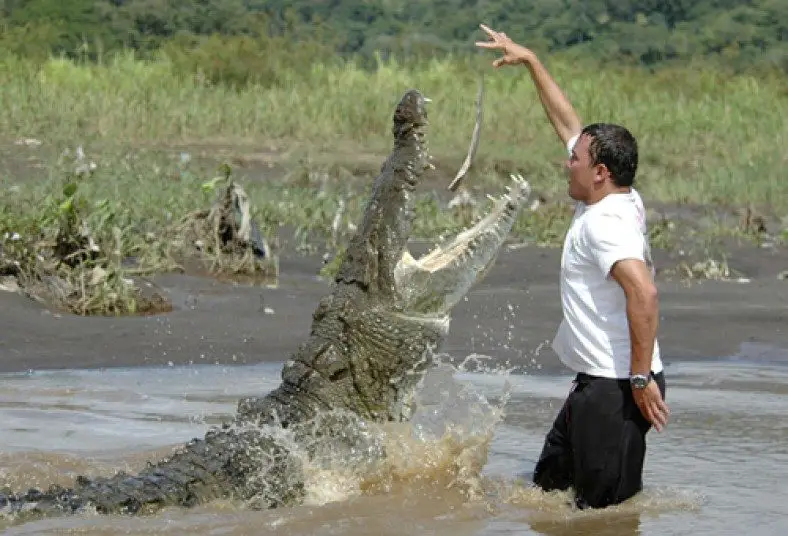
(639, 381)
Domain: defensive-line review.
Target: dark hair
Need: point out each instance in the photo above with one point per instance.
(616, 148)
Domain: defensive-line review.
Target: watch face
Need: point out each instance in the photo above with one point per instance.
(639, 382)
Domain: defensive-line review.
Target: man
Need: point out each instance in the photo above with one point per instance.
(610, 308)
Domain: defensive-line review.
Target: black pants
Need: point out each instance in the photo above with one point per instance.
(597, 444)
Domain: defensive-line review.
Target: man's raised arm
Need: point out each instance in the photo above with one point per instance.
(560, 112)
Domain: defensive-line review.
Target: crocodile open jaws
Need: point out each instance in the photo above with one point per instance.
(372, 339)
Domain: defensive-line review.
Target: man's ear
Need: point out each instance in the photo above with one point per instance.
(601, 173)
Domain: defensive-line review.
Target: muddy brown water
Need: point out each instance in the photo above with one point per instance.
(460, 468)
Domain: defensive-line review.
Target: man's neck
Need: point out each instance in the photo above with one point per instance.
(596, 197)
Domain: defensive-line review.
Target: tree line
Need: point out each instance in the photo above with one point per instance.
(740, 34)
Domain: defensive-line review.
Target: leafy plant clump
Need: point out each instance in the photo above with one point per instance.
(69, 254)
(89, 257)
(225, 237)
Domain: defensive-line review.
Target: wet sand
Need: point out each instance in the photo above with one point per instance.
(510, 317)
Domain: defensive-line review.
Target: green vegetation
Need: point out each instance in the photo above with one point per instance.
(705, 137)
(180, 95)
(69, 251)
(736, 33)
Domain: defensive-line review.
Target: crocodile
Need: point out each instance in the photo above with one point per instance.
(373, 337)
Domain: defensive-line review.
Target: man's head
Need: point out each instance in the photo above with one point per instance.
(604, 159)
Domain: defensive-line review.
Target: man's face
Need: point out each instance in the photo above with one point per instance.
(584, 177)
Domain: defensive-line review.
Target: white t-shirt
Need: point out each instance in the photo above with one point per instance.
(594, 334)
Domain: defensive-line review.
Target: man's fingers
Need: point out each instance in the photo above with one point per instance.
(489, 44)
(499, 62)
(494, 36)
(659, 415)
(655, 411)
(487, 30)
(645, 409)
(653, 416)
(662, 410)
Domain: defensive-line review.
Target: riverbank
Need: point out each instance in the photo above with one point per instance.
(510, 317)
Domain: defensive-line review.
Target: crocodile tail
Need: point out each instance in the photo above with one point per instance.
(57, 500)
(175, 481)
(245, 465)
(200, 471)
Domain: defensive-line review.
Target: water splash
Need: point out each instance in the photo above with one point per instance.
(445, 443)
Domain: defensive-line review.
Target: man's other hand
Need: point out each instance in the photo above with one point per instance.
(652, 406)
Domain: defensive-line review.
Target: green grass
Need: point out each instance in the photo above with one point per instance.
(705, 137)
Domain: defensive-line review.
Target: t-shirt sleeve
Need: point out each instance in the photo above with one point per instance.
(612, 238)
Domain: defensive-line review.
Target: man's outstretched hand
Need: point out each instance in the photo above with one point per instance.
(513, 54)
